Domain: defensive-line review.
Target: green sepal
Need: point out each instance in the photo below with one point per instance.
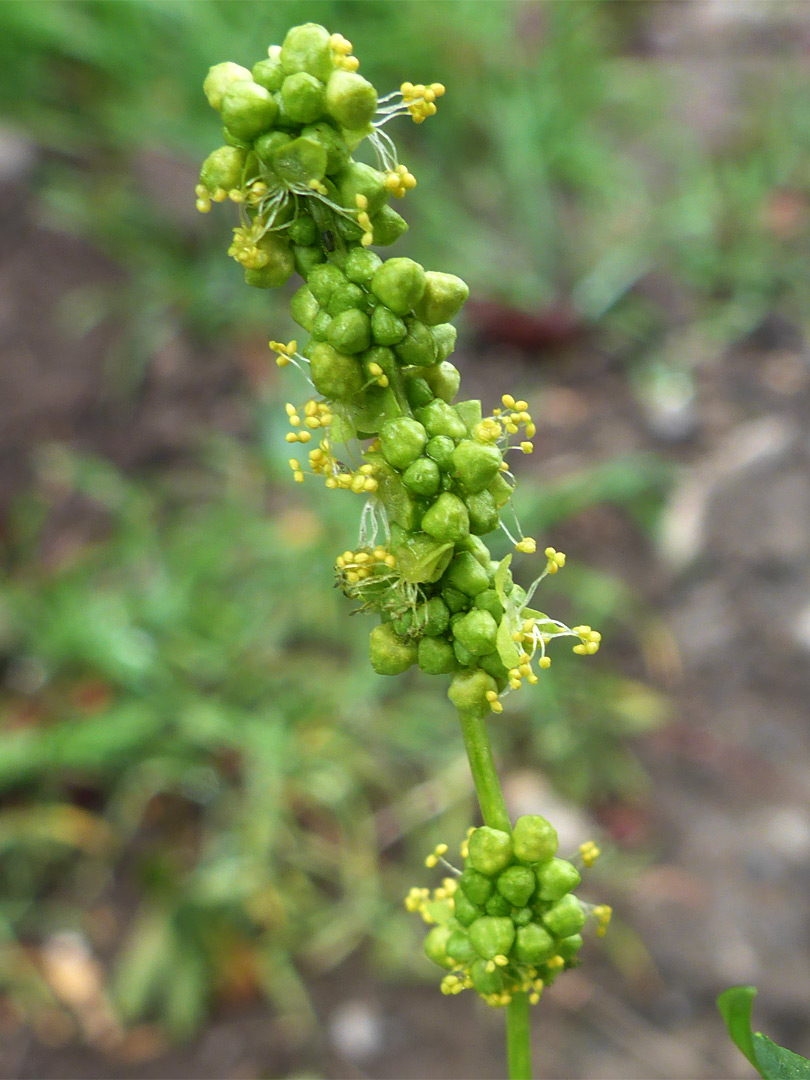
(420, 558)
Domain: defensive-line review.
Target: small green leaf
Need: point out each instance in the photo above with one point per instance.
(771, 1061)
(735, 1006)
(507, 649)
(776, 1063)
(499, 581)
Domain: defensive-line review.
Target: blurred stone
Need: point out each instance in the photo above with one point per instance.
(356, 1030)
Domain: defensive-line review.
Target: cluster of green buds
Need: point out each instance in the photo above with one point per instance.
(381, 419)
(434, 471)
(509, 922)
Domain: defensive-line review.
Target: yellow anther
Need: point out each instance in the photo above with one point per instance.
(589, 852)
(298, 477)
(294, 463)
(544, 662)
(525, 670)
(501, 960)
(390, 560)
(406, 89)
(527, 447)
(508, 401)
(531, 430)
(361, 202)
(555, 963)
(517, 636)
(521, 406)
(291, 436)
(304, 436)
(534, 997)
(431, 861)
(527, 545)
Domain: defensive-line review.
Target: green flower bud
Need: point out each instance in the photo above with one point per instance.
(360, 179)
(435, 656)
(350, 331)
(387, 226)
(248, 109)
(464, 656)
(266, 145)
(488, 601)
(492, 935)
(307, 48)
(470, 413)
(334, 374)
(498, 905)
(361, 265)
(307, 258)
(447, 519)
(303, 230)
(477, 631)
(439, 418)
(489, 850)
(386, 327)
(486, 982)
(568, 947)
(337, 152)
(299, 161)
(320, 325)
(432, 617)
(399, 283)
(304, 308)
(445, 338)
(534, 838)
(443, 379)
(345, 298)
(468, 692)
(484, 516)
(231, 140)
(442, 299)
(555, 878)
(477, 886)
(223, 169)
(466, 574)
(350, 99)
(402, 441)
(268, 73)
(324, 280)
(494, 666)
(422, 558)
(441, 448)
(435, 946)
(475, 464)
(516, 884)
(533, 944)
(220, 79)
(479, 550)
(422, 478)
(521, 916)
(501, 490)
(277, 263)
(389, 653)
(464, 909)
(460, 948)
(455, 600)
(303, 97)
(417, 391)
(417, 348)
(565, 918)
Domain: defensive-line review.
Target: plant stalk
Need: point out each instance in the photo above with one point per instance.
(518, 1045)
(495, 814)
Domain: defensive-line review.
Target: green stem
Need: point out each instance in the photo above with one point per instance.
(495, 814)
(482, 767)
(518, 1046)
